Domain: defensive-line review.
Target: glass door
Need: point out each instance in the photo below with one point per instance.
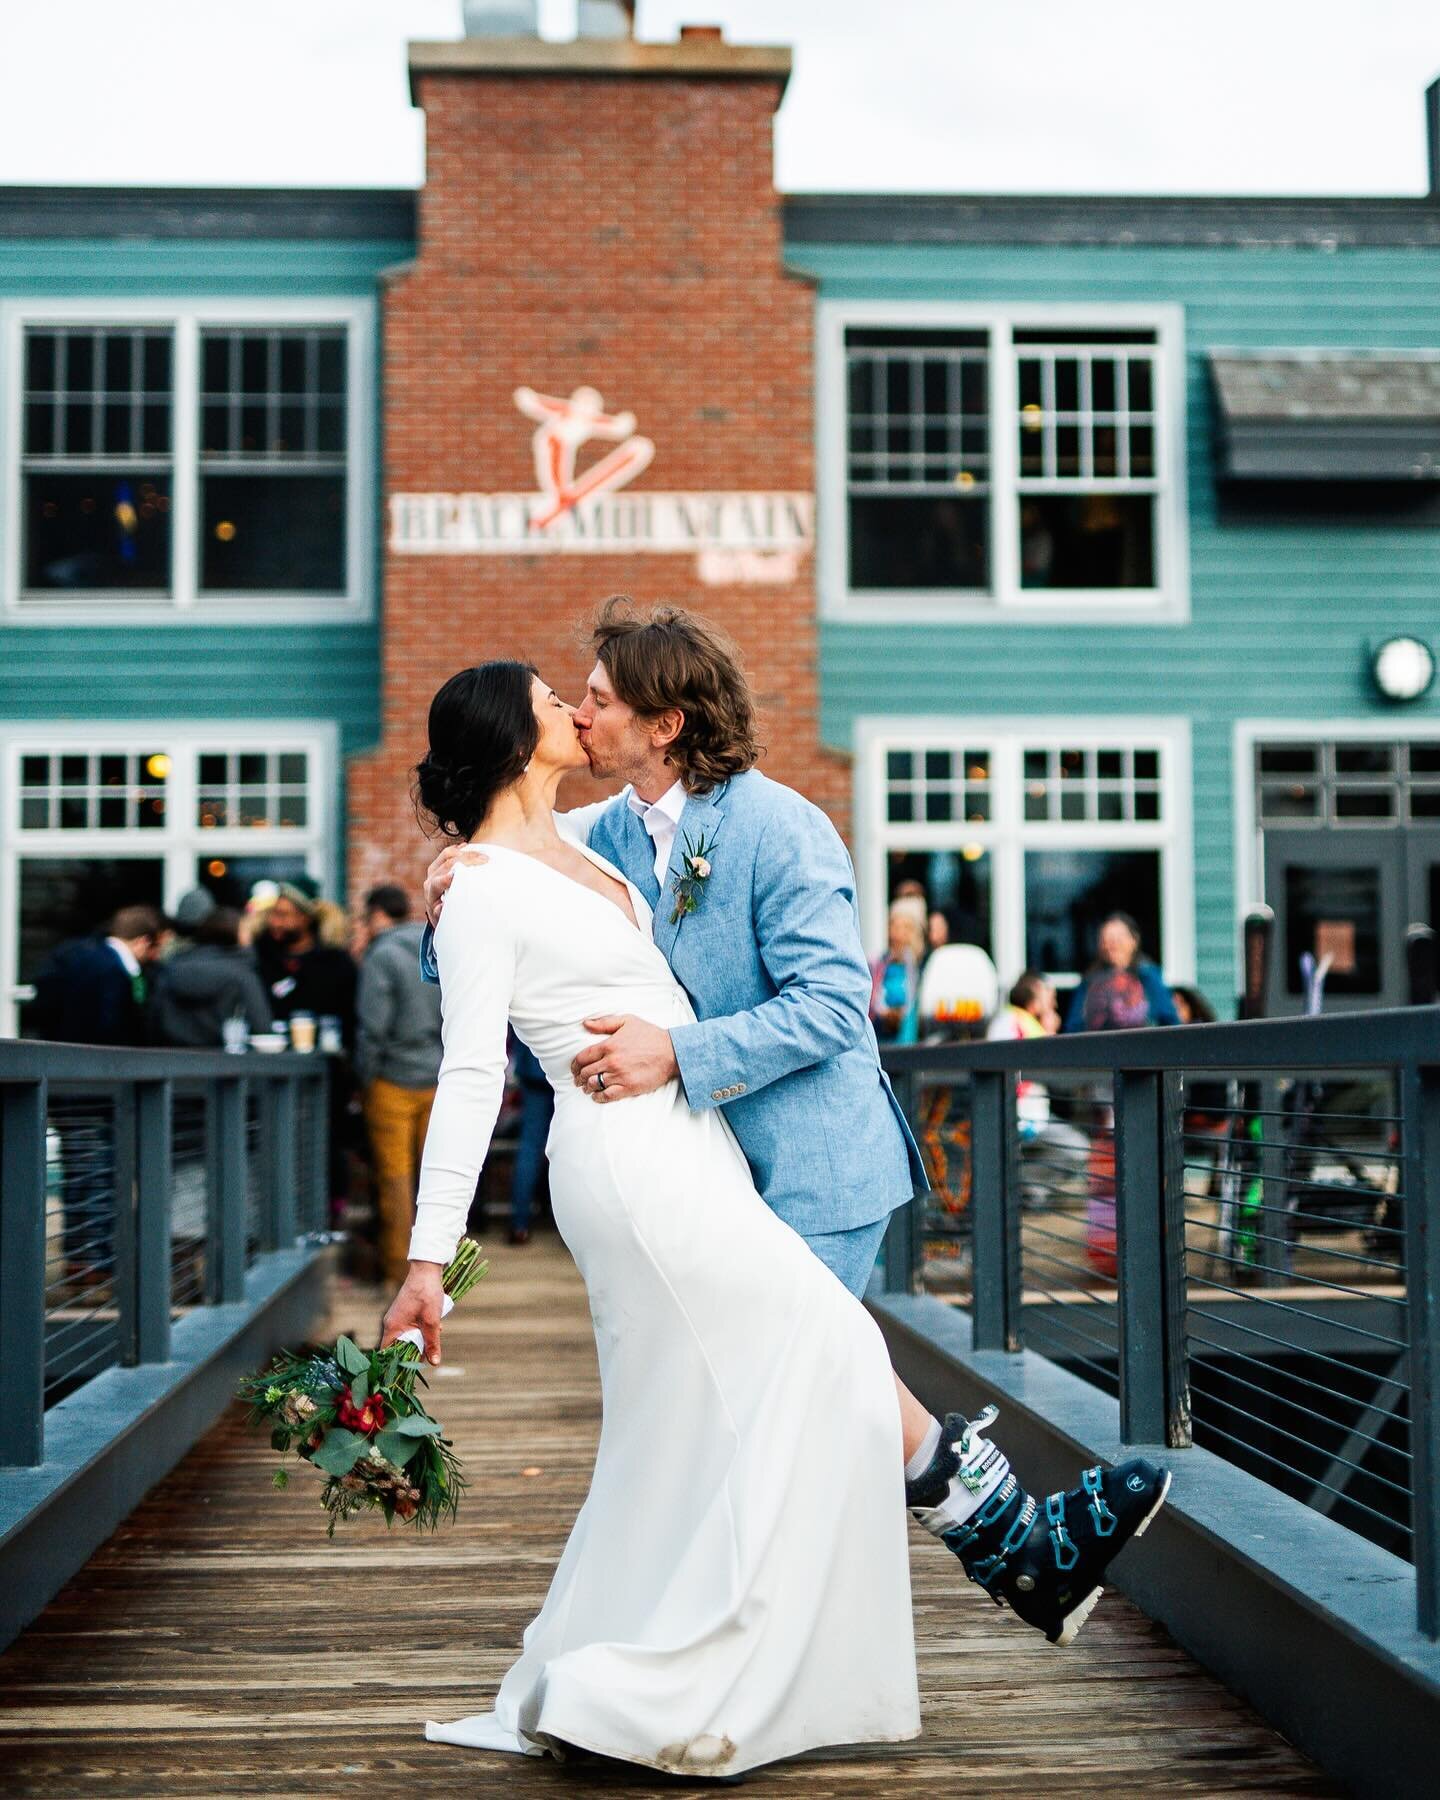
(1341, 894)
(63, 897)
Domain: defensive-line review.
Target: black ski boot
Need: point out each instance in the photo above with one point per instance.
(1045, 1560)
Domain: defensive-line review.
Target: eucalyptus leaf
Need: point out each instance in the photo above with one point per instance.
(360, 1390)
(395, 1447)
(351, 1358)
(340, 1451)
(417, 1425)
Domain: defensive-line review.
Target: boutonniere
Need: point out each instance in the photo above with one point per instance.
(689, 886)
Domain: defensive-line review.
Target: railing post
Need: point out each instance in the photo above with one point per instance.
(1421, 1115)
(904, 1235)
(1150, 1244)
(126, 1246)
(153, 1200)
(227, 1189)
(994, 1212)
(283, 1167)
(1272, 1228)
(319, 1173)
(22, 1273)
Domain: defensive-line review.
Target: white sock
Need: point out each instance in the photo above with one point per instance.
(982, 1470)
(925, 1455)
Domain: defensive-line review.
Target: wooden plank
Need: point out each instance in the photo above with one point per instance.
(219, 1644)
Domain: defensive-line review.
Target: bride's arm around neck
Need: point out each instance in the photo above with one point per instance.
(475, 947)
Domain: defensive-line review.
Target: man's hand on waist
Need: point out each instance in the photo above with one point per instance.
(633, 1057)
(442, 872)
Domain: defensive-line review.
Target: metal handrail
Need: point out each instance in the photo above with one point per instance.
(291, 1189)
(1146, 1069)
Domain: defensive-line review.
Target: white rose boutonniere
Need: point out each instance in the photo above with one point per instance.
(689, 886)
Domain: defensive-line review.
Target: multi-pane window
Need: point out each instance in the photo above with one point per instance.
(1092, 783)
(93, 790)
(937, 786)
(918, 458)
(191, 457)
(1349, 783)
(1003, 461)
(96, 457)
(253, 789)
(1087, 460)
(1025, 842)
(272, 460)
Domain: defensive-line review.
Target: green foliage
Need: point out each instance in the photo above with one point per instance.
(340, 1450)
(351, 1358)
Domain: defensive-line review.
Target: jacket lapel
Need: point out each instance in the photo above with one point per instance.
(701, 818)
(635, 853)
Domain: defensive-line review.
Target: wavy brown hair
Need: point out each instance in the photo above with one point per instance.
(668, 657)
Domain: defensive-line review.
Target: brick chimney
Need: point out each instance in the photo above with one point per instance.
(598, 215)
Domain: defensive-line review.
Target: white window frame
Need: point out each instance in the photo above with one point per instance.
(180, 841)
(1007, 835)
(1246, 738)
(185, 604)
(1167, 603)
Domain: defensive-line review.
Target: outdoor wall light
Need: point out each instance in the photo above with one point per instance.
(1402, 668)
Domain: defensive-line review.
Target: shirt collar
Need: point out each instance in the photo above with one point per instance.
(126, 955)
(670, 805)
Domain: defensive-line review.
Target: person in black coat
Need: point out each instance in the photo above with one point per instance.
(94, 991)
(198, 988)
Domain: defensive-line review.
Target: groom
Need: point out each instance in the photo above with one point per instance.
(754, 906)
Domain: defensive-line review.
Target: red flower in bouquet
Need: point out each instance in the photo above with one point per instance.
(368, 1418)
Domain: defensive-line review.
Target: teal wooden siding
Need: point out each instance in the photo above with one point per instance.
(1280, 614)
(184, 671)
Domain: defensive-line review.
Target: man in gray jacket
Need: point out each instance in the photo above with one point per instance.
(397, 1063)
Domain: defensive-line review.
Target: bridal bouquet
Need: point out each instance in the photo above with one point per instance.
(354, 1414)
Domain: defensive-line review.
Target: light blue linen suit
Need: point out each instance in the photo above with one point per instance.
(773, 962)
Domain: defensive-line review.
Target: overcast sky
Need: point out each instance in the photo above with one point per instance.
(1230, 96)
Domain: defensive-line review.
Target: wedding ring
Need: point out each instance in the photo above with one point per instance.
(600, 1083)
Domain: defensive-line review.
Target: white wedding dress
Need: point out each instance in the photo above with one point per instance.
(736, 1587)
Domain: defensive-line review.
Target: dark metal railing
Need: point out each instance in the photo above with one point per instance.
(136, 1186)
(1234, 1229)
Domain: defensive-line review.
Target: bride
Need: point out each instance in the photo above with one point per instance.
(736, 1587)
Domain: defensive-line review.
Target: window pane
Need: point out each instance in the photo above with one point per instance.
(293, 767)
(231, 878)
(65, 897)
(939, 765)
(253, 768)
(1333, 904)
(1365, 803)
(292, 810)
(273, 534)
(1364, 759)
(39, 428)
(1069, 892)
(956, 883)
(1087, 541)
(1425, 759)
(900, 807)
(918, 541)
(35, 771)
(213, 770)
(1147, 765)
(97, 531)
(900, 765)
(39, 361)
(34, 815)
(1289, 759)
(939, 806)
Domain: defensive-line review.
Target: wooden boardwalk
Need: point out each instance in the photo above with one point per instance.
(220, 1645)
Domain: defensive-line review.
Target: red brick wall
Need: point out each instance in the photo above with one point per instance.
(622, 232)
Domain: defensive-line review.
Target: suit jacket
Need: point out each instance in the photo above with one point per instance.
(773, 962)
(84, 995)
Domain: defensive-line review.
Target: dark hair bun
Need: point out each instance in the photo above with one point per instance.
(483, 732)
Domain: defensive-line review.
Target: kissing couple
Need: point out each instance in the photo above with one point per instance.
(685, 961)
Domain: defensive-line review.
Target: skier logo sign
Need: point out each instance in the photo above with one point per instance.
(735, 537)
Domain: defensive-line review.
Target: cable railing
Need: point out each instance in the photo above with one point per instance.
(138, 1186)
(1234, 1229)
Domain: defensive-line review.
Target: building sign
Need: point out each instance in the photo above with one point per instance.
(736, 537)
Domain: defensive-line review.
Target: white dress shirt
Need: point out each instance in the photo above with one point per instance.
(126, 955)
(662, 820)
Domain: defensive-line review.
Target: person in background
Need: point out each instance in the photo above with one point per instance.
(206, 982)
(537, 1108)
(302, 973)
(94, 991)
(1053, 1152)
(397, 1064)
(895, 977)
(1119, 949)
(937, 930)
(1192, 1006)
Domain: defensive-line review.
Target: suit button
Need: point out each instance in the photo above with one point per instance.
(719, 1094)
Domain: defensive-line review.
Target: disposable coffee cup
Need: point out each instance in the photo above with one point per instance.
(332, 1040)
(302, 1031)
